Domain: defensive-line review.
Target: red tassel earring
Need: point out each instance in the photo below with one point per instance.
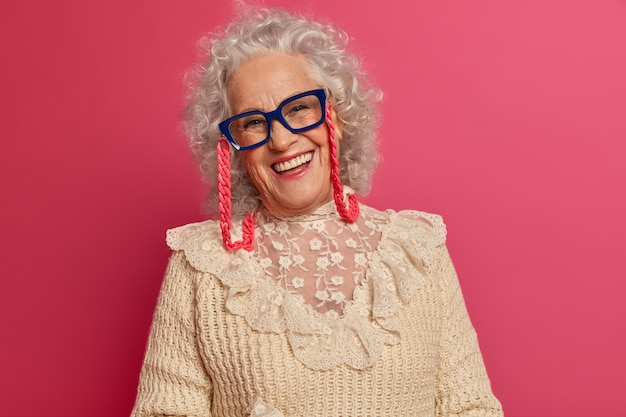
(348, 214)
(224, 203)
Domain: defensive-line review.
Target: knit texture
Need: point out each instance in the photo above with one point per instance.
(231, 338)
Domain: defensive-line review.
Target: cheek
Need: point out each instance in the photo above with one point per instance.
(251, 162)
(249, 159)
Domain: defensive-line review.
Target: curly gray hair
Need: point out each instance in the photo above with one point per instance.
(276, 30)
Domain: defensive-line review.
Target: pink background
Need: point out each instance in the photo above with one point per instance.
(508, 118)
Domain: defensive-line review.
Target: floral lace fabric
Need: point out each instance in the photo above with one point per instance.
(319, 259)
(333, 288)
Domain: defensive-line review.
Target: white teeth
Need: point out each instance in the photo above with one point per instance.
(293, 163)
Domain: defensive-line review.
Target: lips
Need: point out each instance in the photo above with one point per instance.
(296, 162)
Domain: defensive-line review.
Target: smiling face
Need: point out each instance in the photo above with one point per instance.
(291, 171)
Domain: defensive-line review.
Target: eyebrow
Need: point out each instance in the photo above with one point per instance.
(279, 103)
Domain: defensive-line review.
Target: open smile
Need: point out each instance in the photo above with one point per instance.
(293, 163)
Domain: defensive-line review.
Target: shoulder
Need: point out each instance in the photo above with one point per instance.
(179, 237)
(427, 226)
(201, 244)
(411, 226)
(412, 237)
(410, 245)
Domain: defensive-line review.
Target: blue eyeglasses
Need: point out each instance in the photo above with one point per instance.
(298, 113)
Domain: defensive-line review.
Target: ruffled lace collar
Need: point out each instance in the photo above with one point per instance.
(397, 267)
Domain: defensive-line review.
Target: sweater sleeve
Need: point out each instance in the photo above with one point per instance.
(173, 380)
(463, 387)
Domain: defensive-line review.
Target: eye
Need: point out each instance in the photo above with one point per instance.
(298, 107)
(255, 123)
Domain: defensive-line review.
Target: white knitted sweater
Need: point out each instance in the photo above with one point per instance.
(377, 326)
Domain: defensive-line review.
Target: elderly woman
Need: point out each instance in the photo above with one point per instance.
(301, 301)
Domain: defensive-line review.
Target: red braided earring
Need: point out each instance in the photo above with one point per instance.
(224, 203)
(349, 215)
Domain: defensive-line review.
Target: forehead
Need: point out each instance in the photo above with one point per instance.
(264, 80)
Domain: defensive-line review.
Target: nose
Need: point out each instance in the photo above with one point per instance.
(281, 139)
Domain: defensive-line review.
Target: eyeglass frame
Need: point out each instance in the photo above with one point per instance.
(321, 95)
